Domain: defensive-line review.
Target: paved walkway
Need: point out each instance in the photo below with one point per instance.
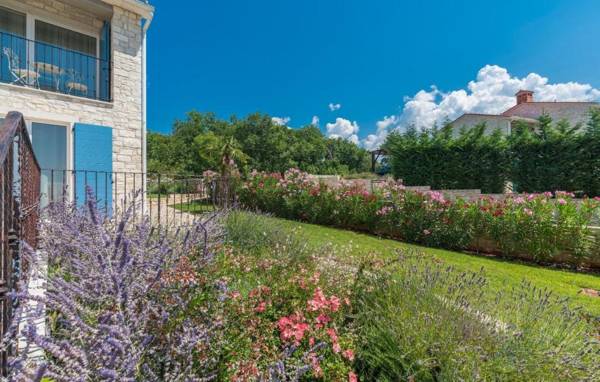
(162, 210)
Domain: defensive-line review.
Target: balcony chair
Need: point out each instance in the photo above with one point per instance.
(50, 70)
(75, 82)
(22, 76)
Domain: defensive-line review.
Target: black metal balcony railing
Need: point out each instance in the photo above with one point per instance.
(48, 67)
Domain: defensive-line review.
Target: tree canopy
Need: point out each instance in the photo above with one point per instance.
(199, 142)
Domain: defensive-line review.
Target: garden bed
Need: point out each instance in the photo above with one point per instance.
(242, 297)
(545, 228)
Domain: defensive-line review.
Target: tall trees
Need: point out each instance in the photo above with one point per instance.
(255, 142)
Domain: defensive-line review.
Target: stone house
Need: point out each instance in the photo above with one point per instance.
(76, 70)
(527, 110)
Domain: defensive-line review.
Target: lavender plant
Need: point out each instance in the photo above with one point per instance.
(420, 320)
(120, 300)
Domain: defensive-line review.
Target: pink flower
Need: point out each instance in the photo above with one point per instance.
(322, 320)
(292, 327)
(261, 307)
(528, 211)
(235, 294)
(348, 354)
(384, 211)
(332, 334)
(334, 303)
(337, 348)
(334, 340)
(562, 202)
(352, 377)
(318, 301)
(565, 194)
(519, 200)
(597, 198)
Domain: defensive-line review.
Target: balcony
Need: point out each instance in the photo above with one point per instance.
(44, 66)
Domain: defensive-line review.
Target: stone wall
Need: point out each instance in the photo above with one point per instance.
(123, 115)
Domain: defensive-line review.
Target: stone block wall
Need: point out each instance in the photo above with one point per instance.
(123, 115)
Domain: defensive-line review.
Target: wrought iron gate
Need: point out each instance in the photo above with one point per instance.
(19, 209)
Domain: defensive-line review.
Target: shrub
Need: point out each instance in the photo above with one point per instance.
(418, 320)
(279, 301)
(119, 299)
(541, 227)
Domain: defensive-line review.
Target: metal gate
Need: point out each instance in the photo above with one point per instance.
(19, 209)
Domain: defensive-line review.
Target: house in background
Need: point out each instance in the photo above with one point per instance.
(76, 70)
(526, 110)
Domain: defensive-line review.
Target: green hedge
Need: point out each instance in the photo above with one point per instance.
(556, 156)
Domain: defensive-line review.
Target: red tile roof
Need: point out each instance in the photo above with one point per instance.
(573, 112)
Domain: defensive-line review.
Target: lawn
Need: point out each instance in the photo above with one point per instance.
(501, 274)
(197, 206)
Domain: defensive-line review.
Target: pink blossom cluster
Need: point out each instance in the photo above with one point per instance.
(435, 196)
(319, 302)
(384, 210)
(295, 327)
(292, 327)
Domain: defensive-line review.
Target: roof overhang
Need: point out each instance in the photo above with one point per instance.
(136, 6)
(100, 8)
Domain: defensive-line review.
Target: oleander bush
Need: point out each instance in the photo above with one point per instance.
(548, 227)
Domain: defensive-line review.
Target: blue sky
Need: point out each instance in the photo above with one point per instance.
(291, 59)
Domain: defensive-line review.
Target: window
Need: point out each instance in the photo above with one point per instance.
(50, 148)
(38, 53)
(65, 38)
(12, 22)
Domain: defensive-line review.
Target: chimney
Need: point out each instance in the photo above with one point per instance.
(524, 96)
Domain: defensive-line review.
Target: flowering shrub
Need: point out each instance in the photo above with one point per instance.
(119, 300)
(280, 301)
(406, 318)
(542, 227)
(537, 224)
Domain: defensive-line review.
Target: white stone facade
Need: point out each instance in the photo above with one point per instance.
(123, 114)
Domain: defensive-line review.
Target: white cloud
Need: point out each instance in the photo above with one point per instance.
(315, 121)
(335, 106)
(281, 121)
(492, 92)
(344, 129)
(373, 141)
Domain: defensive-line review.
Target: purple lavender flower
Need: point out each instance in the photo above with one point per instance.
(113, 311)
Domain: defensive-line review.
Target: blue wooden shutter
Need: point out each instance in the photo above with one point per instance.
(105, 51)
(93, 164)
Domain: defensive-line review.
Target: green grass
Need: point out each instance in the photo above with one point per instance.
(195, 206)
(501, 274)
